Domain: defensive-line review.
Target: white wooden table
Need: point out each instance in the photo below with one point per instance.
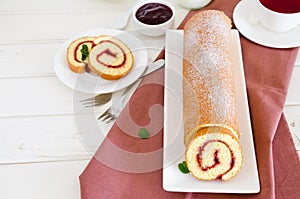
(41, 155)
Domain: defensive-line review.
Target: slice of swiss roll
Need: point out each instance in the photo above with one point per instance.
(78, 63)
(110, 58)
(211, 134)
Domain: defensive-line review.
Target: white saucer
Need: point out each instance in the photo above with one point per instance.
(258, 34)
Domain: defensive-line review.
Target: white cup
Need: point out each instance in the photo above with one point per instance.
(275, 21)
(193, 4)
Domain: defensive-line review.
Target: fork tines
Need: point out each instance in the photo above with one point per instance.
(107, 117)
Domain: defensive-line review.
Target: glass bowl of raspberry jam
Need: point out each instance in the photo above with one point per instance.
(153, 18)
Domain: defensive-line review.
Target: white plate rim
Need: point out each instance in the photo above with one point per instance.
(260, 35)
(173, 179)
(91, 84)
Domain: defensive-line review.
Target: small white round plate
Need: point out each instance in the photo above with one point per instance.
(258, 34)
(93, 84)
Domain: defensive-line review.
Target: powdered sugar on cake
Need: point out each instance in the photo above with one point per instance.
(207, 52)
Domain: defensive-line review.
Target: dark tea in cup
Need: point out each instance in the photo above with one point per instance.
(277, 15)
(282, 6)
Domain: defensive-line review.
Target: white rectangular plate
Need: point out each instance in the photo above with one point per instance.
(247, 181)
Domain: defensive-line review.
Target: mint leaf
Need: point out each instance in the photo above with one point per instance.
(143, 133)
(84, 52)
(183, 167)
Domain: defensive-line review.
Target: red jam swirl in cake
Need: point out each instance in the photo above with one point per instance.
(109, 52)
(77, 48)
(216, 161)
(77, 53)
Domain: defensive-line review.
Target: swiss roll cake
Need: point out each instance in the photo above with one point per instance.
(211, 135)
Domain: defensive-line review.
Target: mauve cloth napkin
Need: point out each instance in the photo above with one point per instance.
(116, 170)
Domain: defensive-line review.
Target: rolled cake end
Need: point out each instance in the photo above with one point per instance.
(214, 153)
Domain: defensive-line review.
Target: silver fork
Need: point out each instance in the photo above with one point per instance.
(117, 105)
(109, 115)
(101, 99)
